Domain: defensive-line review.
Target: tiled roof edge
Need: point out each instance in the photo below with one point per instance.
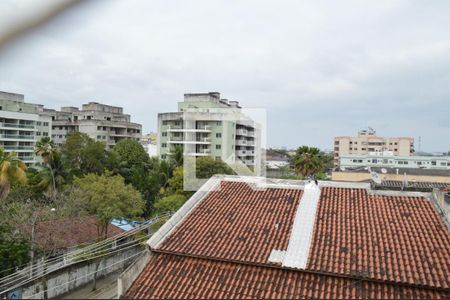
(158, 237)
(275, 266)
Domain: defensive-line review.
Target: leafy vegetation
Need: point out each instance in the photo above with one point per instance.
(84, 178)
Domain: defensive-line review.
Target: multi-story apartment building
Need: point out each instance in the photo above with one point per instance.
(101, 122)
(367, 141)
(21, 125)
(206, 125)
(387, 159)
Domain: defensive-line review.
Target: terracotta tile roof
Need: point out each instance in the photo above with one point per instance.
(61, 234)
(392, 238)
(180, 277)
(387, 246)
(237, 223)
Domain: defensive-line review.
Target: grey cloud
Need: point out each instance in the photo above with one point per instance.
(320, 68)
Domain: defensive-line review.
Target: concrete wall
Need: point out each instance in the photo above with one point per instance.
(127, 278)
(74, 276)
(355, 176)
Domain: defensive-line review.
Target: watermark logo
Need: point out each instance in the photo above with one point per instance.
(233, 135)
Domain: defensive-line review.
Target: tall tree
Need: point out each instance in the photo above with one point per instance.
(107, 197)
(83, 155)
(12, 170)
(46, 148)
(307, 161)
(139, 169)
(176, 158)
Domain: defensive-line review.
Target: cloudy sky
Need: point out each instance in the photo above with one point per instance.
(319, 68)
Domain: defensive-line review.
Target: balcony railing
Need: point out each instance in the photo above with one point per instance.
(17, 136)
(18, 148)
(241, 132)
(205, 128)
(11, 125)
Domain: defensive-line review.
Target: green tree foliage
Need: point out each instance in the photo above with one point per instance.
(176, 158)
(107, 197)
(207, 167)
(83, 155)
(46, 148)
(131, 152)
(12, 171)
(139, 169)
(307, 161)
(14, 250)
(169, 203)
(175, 182)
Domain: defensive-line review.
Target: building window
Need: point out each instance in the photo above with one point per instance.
(163, 156)
(45, 133)
(177, 123)
(165, 122)
(218, 135)
(433, 162)
(395, 149)
(38, 123)
(218, 123)
(164, 134)
(38, 133)
(218, 147)
(163, 145)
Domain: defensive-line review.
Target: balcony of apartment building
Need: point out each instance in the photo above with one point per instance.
(11, 146)
(11, 125)
(188, 138)
(245, 152)
(16, 136)
(181, 128)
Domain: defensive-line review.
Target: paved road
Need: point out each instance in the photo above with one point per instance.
(106, 289)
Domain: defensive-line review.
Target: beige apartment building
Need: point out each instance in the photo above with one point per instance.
(368, 142)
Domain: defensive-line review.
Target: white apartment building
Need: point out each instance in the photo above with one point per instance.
(21, 125)
(101, 122)
(206, 125)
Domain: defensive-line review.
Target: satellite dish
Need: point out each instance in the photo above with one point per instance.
(375, 178)
(384, 171)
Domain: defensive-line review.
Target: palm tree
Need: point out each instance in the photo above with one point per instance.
(46, 148)
(176, 158)
(307, 161)
(12, 170)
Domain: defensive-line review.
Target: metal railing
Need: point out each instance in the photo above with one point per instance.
(12, 125)
(17, 136)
